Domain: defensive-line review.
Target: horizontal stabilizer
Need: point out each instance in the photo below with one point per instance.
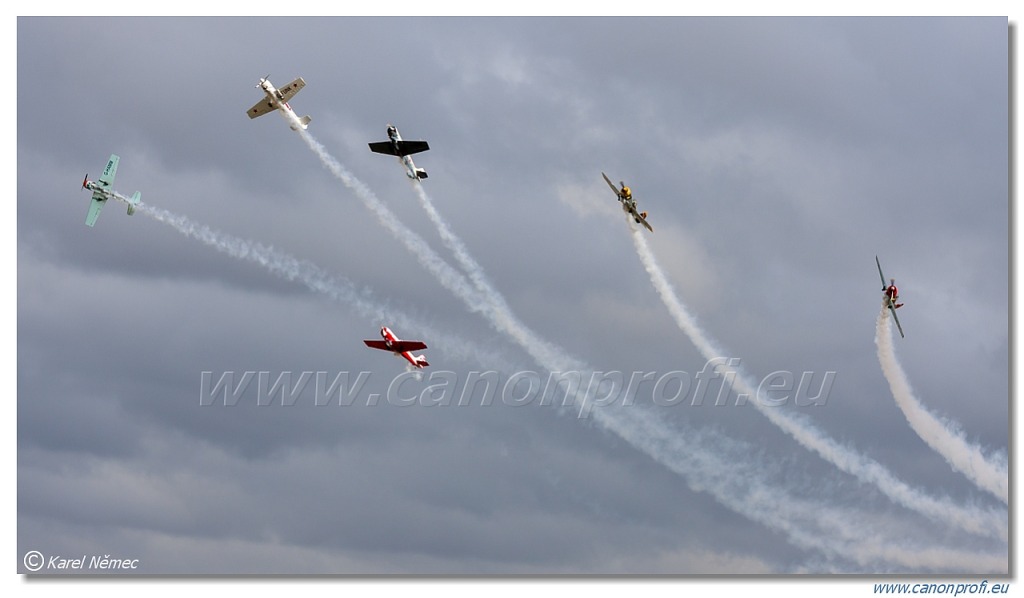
(302, 124)
(134, 201)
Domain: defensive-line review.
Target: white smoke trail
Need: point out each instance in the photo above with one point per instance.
(280, 264)
(458, 248)
(448, 276)
(728, 471)
(505, 319)
(724, 468)
(488, 303)
(491, 304)
(969, 518)
(989, 474)
(653, 436)
(316, 279)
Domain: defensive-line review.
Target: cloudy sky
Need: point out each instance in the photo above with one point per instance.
(776, 158)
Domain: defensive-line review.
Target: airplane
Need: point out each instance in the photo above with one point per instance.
(628, 203)
(399, 347)
(277, 99)
(395, 146)
(891, 295)
(101, 191)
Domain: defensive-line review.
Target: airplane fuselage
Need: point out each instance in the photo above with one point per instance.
(396, 142)
(102, 193)
(410, 168)
(276, 99)
(390, 339)
(101, 189)
(629, 207)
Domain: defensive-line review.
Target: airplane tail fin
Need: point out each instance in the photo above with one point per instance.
(421, 361)
(134, 201)
(421, 174)
(302, 124)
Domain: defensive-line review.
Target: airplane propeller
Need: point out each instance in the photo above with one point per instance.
(260, 84)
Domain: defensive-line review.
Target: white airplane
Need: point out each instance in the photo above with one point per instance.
(395, 146)
(277, 99)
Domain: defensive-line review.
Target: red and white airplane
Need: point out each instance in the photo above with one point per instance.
(892, 294)
(399, 347)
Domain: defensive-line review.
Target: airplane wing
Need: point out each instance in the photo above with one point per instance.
(404, 147)
(896, 319)
(262, 107)
(643, 221)
(107, 178)
(397, 346)
(383, 147)
(882, 276)
(611, 184)
(412, 147)
(94, 208)
(401, 346)
(289, 91)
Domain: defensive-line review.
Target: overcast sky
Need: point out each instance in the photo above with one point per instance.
(776, 157)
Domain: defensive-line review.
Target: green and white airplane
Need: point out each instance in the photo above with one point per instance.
(102, 191)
